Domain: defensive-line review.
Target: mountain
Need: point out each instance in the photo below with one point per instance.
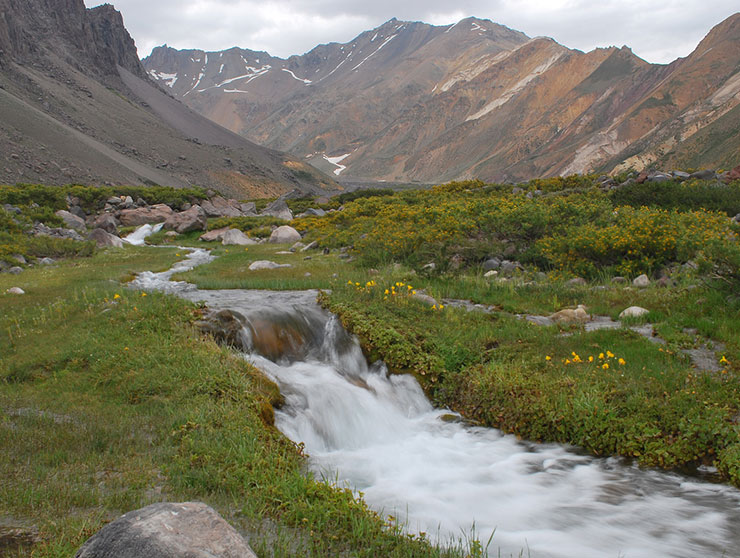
(76, 105)
(412, 101)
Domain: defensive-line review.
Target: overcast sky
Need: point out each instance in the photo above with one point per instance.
(656, 30)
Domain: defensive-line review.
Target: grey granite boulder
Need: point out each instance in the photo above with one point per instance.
(186, 530)
(284, 235)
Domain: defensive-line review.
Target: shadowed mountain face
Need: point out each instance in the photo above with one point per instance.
(76, 105)
(411, 101)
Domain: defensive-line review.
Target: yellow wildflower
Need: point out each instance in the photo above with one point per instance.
(610, 354)
(116, 296)
(548, 358)
(605, 366)
(723, 360)
(621, 361)
(601, 356)
(591, 358)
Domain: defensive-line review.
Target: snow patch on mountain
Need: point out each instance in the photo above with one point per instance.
(305, 81)
(336, 160)
(168, 79)
(388, 40)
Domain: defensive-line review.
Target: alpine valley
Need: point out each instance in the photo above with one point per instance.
(409, 101)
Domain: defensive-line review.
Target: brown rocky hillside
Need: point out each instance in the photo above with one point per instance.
(76, 105)
(411, 101)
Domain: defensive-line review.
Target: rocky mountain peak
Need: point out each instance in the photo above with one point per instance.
(93, 40)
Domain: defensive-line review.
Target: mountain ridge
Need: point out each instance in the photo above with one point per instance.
(78, 106)
(412, 101)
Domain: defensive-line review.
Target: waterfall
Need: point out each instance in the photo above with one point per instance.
(378, 434)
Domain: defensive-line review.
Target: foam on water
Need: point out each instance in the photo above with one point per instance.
(379, 434)
(139, 235)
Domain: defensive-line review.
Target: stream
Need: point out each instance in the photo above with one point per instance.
(378, 434)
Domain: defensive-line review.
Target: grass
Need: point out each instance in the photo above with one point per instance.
(110, 401)
(502, 371)
(231, 269)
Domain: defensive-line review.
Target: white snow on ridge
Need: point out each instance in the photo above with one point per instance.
(374, 37)
(197, 83)
(235, 91)
(305, 81)
(168, 79)
(336, 160)
(388, 40)
(477, 27)
(338, 65)
(221, 69)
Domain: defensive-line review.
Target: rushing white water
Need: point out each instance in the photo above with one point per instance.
(139, 235)
(379, 434)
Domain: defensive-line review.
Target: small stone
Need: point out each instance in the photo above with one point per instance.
(703, 175)
(431, 266)
(619, 280)
(492, 273)
(310, 246)
(266, 264)
(641, 281)
(425, 298)
(575, 282)
(19, 259)
(46, 261)
(15, 291)
(633, 312)
(15, 270)
(571, 316)
(297, 246)
(307, 274)
(103, 239)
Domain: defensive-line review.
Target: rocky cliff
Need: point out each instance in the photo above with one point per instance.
(76, 105)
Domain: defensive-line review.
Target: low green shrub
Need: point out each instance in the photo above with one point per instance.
(686, 196)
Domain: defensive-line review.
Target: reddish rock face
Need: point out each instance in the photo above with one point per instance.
(411, 101)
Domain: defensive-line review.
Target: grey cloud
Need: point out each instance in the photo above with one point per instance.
(656, 31)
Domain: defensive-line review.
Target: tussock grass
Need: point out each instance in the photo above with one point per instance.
(109, 400)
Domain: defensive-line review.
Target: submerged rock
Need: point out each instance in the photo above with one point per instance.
(166, 530)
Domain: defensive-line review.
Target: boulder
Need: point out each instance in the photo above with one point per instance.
(704, 175)
(284, 235)
(658, 177)
(15, 270)
(310, 246)
(103, 238)
(507, 267)
(618, 280)
(633, 312)
(297, 246)
(680, 175)
(71, 221)
(215, 235)
(146, 215)
(733, 175)
(39, 229)
(576, 282)
(107, 222)
(641, 281)
(425, 298)
(235, 237)
(248, 209)
(194, 219)
(312, 212)
(571, 315)
(492, 263)
(736, 219)
(220, 207)
(46, 261)
(19, 258)
(168, 530)
(492, 273)
(78, 212)
(266, 264)
(278, 209)
(15, 291)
